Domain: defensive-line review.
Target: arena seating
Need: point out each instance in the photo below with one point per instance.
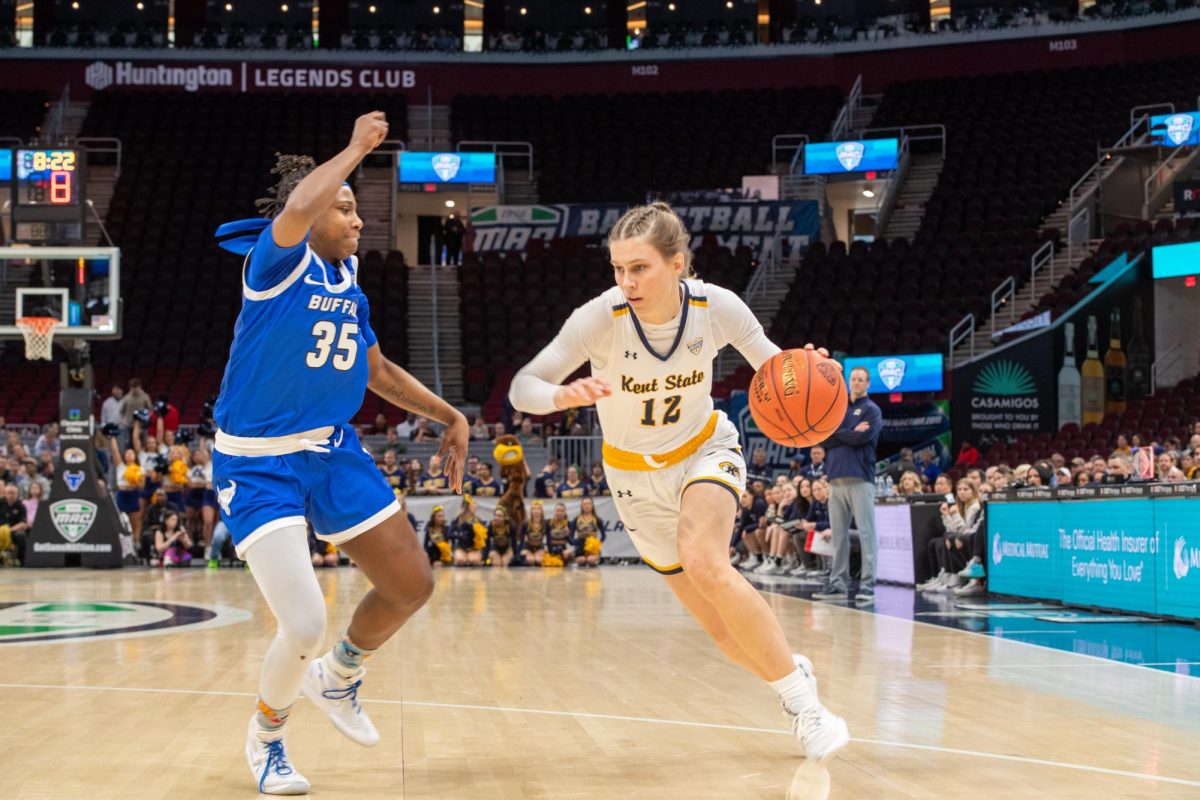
(596, 148)
(181, 293)
(23, 113)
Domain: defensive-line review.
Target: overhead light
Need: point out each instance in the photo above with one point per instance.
(283, 8)
(229, 6)
(371, 9)
(729, 3)
(868, 193)
(141, 6)
(587, 9)
(670, 6)
(524, 11)
(449, 204)
(437, 10)
(75, 6)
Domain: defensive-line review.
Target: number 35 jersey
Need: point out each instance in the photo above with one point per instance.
(299, 354)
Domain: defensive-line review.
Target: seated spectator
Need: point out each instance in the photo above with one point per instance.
(545, 485)
(559, 542)
(815, 522)
(498, 430)
(1191, 470)
(485, 484)
(1176, 475)
(154, 517)
(589, 534)
(902, 465)
(32, 501)
(599, 484)
(910, 484)
(758, 470)
(929, 468)
(745, 533)
(815, 468)
(480, 431)
(533, 535)
(412, 477)
(468, 535)
(392, 472)
(437, 538)
(324, 554)
(783, 518)
(380, 426)
(961, 521)
(393, 444)
(943, 485)
(406, 426)
(968, 455)
(1120, 469)
(1122, 445)
(14, 527)
(501, 538)
(527, 436)
(48, 442)
(171, 540)
(574, 485)
(1163, 464)
(423, 432)
(1082, 479)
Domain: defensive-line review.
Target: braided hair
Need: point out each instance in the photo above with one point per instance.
(291, 170)
(660, 227)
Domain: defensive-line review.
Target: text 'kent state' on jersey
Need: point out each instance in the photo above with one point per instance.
(299, 354)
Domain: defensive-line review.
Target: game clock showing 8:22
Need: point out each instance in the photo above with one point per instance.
(48, 206)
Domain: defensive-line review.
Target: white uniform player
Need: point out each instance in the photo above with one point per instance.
(661, 434)
(673, 464)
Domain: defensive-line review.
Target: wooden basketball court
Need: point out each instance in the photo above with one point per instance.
(553, 684)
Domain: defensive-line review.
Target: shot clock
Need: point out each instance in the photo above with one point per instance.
(48, 196)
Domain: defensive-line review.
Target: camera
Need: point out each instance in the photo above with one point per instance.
(160, 408)
(142, 415)
(111, 429)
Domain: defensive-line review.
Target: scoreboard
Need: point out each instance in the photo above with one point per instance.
(48, 196)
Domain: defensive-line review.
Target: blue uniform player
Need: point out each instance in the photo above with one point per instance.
(303, 355)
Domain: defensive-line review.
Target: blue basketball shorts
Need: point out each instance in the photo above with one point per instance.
(324, 476)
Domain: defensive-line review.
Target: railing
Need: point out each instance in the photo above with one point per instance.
(891, 193)
(963, 331)
(580, 450)
(932, 132)
(1172, 356)
(1038, 261)
(102, 144)
(1005, 294)
(56, 122)
(841, 124)
(1160, 179)
(434, 255)
(783, 144)
(513, 150)
(1144, 111)
(767, 269)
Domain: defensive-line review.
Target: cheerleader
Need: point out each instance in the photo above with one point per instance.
(533, 535)
(201, 499)
(437, 538)
(599, 487)
(559, 536)
(500, 538)
(468, 535)
(175, 482)
(130, 482)
(589, 534)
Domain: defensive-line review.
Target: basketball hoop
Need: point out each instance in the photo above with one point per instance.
(39, 336)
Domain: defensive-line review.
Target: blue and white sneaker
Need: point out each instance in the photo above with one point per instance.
(268, 762)
(338, 698)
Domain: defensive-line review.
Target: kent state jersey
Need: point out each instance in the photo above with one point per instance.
(299, 354)
(659, 399)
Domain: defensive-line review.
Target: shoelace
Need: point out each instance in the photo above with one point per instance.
(350, 692)
(276, 760)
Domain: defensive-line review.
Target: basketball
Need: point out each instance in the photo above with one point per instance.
(798, 398)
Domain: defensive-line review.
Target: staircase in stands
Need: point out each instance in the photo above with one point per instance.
(375, 191)
(422, 321)
(429, 128)
(923, 172)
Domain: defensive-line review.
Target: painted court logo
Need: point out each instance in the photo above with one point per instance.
(45, 622)
(891, 372)
(73, 518)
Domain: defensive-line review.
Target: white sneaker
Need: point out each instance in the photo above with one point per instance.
(768, 568)
(750, 564)
(965, 572)
(932, 583)
(949, 583)
(820, 732)
(805, 666)
(735, 559)
(973, 588)
(338, 697)
(268, 761)
(799, 572)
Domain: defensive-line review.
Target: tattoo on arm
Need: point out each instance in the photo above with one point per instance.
(404, 400)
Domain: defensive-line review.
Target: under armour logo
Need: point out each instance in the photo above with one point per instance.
(624, 494)
(630, 354)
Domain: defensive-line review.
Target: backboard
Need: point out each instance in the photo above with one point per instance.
(79, 286)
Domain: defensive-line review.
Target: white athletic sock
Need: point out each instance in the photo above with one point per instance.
(794, 692)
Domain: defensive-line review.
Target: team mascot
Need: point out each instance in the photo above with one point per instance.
(511, 458)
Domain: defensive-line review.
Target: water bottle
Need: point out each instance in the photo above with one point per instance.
(888, 486)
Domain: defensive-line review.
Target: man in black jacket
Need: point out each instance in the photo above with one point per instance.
(850, 460)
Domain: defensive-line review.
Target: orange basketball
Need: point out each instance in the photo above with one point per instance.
(798, 398)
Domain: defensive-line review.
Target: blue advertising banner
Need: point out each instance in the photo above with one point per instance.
(1023, 549)
(754, 224)
(1107, 553)
(1175, 522)
(839, 158)
(447, 167)
(1173, 130)
(911, 372)
(6, 162)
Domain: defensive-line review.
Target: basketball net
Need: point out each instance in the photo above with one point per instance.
(39, 336)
